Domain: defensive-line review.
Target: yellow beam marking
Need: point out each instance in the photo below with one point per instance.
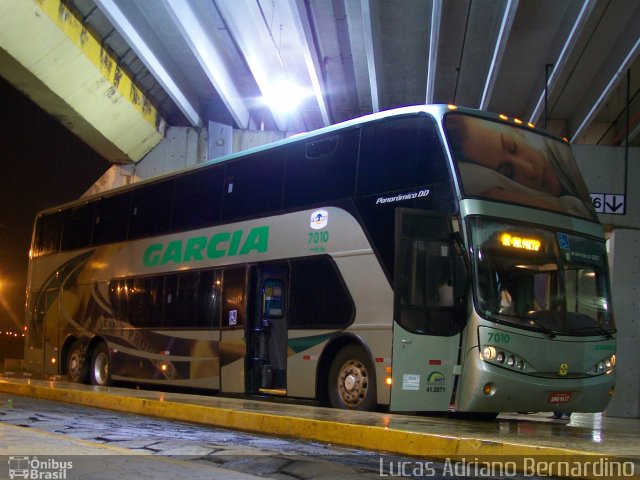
(48, 54)
(101, 58)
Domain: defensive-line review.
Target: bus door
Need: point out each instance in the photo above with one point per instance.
(427, 316)
(49, 310)
(232, 332)
(267, 331)
(36, 356)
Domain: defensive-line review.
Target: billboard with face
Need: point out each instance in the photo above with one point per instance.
(505, 163)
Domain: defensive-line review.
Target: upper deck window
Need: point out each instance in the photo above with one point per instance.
(400, 154)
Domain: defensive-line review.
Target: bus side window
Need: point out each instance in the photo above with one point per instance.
(108, 224)
(318, 297)
(254, 185)
(322, 169)
(48, 232)
(400, 154)
(429, 281)
(197, 198)
(77, 227)
(233, 297)
(151, 210)
(426, 288)
(272, 298)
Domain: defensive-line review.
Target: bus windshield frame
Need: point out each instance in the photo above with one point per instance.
(539, 279)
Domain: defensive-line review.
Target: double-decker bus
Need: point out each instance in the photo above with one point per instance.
(427, 258)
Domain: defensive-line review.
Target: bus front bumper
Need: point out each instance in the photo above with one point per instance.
(489, 388)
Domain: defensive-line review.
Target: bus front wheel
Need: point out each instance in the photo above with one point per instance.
(100, 366)
(352, 383)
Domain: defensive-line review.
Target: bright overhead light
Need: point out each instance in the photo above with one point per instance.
(285, 96)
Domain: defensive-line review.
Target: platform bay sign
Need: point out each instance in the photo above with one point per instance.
(608, 203)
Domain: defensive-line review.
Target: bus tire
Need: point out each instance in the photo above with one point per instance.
(352, 381)
(76, 364)
(100, 366)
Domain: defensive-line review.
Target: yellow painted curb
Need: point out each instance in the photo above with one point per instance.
(376, 438)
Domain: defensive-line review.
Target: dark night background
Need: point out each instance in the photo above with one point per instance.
(42, 164)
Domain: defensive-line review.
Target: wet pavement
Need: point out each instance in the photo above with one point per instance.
(307, 436)
(103, 444)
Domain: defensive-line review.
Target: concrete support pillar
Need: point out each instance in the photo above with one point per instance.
(624, 260)
(182, 147)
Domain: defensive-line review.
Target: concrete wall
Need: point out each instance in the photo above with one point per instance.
(603, 169)
(624, 260)
(184, 147)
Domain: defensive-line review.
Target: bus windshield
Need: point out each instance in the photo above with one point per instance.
(502, 162)
(535, 278)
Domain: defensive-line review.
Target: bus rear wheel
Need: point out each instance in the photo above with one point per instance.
(76, 364)
(352, 383)
(100, 366)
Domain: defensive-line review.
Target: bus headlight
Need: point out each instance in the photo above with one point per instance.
(489, 353)
(499, 356)
(603, 366)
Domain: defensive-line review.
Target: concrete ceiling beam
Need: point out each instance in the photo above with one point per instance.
(51, 57)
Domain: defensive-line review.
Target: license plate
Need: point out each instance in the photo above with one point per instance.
(558, 398)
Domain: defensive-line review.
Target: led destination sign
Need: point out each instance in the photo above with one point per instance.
(516, 241)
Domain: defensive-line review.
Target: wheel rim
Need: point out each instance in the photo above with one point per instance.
(74, 365)
(101, 368)
(353, 383)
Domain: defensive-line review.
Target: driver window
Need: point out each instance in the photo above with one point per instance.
(427, 287)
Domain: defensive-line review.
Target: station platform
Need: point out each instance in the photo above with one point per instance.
(588, 439)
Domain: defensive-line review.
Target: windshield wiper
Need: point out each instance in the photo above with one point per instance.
(544, 329)
(530, 320)
(598, 328)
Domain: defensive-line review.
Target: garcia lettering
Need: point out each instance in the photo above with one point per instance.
(198, 248)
